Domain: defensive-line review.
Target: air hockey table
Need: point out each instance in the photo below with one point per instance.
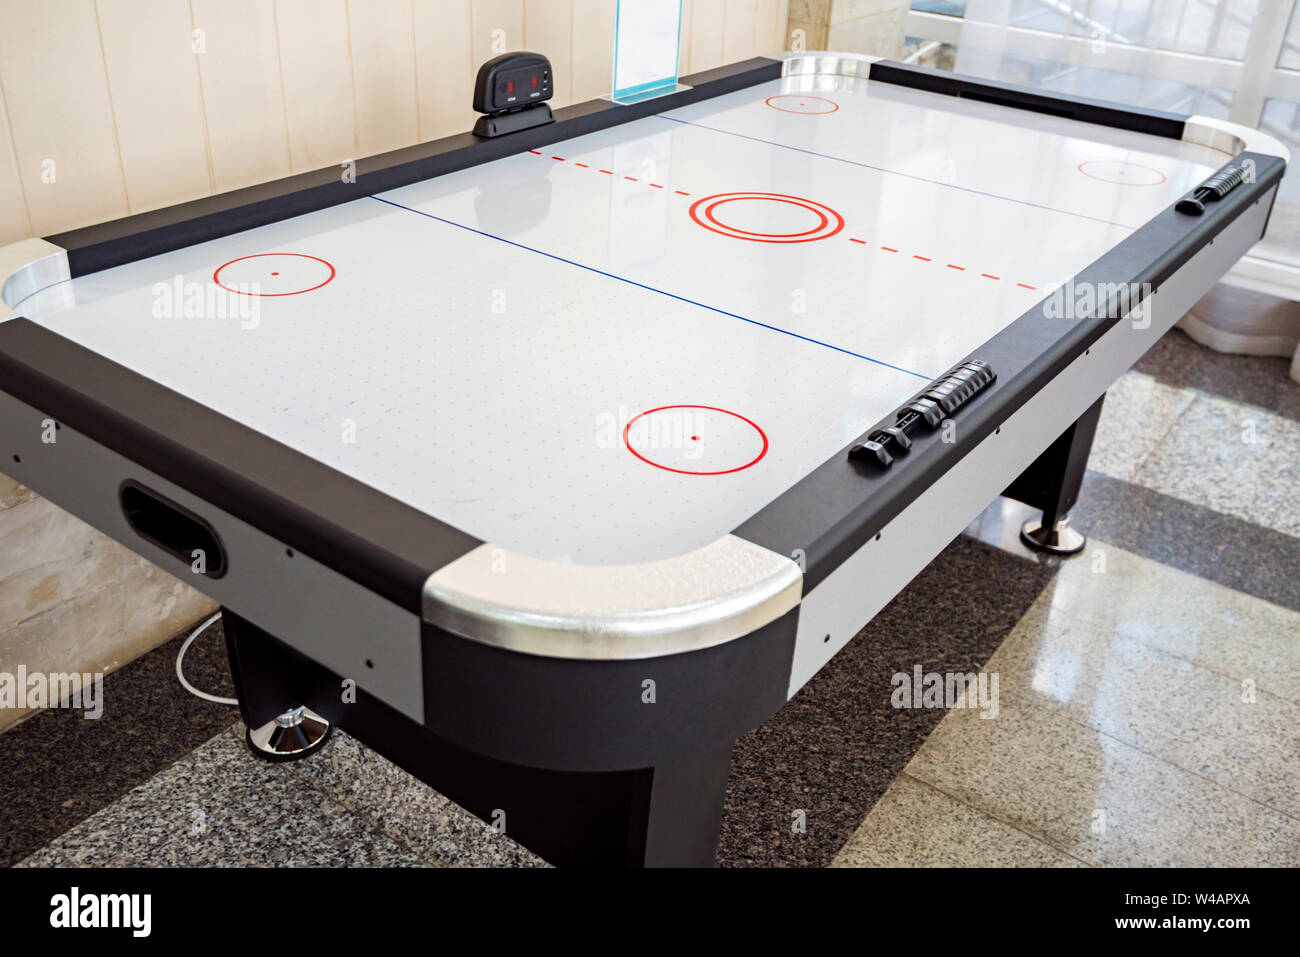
(547, 465)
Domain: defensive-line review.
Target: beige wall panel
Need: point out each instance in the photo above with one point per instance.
(593, 48)
(708, 22)
(52, 69)
(684, 39)
(548, 30)
(769, 27)
(738, 43)
(444, 66)
(242, 95)
(314, 52)
(383, 74)
(14, 224)
(487, 18)
(154, 83)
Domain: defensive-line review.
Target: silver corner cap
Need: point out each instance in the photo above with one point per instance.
(28, 266)
(1232, 138)
(705, 597)
(818, 63)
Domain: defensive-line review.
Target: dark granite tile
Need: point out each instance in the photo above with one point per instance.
(1233, 552)
(58, 768)
(837, 745)
(1178, 360)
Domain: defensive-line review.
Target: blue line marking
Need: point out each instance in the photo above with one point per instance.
(662, 292)
(891, 172)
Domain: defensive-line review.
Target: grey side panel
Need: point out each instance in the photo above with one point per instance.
(345, 626)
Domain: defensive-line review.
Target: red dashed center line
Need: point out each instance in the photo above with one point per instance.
(852, 239)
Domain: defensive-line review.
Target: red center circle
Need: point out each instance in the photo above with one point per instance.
(627, 429)
(1120, 182)
(702, 211)
(216, 273)
(796, 96)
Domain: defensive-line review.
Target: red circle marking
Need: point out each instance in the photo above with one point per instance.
(702, 213)
(1121, 182)
(711, 408)
(796, 96)
(217, 272)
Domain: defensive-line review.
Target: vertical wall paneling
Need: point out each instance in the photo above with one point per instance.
(684, 39)
(242, 96)
(593, 48)
(157, 102)
(708, 23)
(548, 29)
(498, 27)
(741, 29)
(15, 224)
(383, 74)
(60, 113)
(316, 70)
(444, 66)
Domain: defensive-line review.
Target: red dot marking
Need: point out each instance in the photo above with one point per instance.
(695, 438)
(702, 211)
(275, 274)
(296, 292)
(710, 408)
(803, 100)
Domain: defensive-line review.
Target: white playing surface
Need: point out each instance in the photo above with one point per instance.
(567, 363)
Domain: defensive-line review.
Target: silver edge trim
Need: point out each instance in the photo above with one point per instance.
(1231, 138)
(805, 63)
(29, 266)
(705, 597)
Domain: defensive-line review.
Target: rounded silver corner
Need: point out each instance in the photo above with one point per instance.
(1232, 138)
(28, 266)
(820, 63)
(705, 597)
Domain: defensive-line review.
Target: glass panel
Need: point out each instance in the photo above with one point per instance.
(951, 8)
(1214, 27)
(1289, 58)
(1282, 241)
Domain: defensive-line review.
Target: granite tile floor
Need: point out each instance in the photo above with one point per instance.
(1149, 691)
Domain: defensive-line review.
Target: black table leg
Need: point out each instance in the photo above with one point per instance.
(1052, 483)
(665, 816)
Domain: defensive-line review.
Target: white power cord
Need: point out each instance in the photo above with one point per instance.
(180, 673)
